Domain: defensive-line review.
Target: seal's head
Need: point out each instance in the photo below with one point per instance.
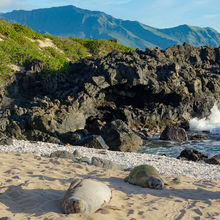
(155, 183)
(73, 206)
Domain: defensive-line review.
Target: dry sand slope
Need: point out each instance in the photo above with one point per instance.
(31, 187)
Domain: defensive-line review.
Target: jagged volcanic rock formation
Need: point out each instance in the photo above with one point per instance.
(144, 89)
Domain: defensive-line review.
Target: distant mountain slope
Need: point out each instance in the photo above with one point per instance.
(70, 21)
(196, 36)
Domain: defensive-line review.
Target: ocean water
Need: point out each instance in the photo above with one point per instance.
(210, 147)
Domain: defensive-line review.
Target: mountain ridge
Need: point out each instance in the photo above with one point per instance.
(71, 21)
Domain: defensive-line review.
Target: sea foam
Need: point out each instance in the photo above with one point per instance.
(210, 124)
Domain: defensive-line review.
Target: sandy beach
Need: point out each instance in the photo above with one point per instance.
(31, 187)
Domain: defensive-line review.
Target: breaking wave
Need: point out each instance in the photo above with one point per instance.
(210, 124)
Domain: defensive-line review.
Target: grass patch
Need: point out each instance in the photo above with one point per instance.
(20, 46)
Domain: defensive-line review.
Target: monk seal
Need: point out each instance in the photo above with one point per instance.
(85, 196)
(145, 176)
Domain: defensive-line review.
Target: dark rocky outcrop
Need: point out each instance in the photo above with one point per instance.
(142, 90)
(79, 137)
(199, 137)
(6, 141)
(95, 141)
(118, 136)
(192, 155)
(214, 160)
(172, 133)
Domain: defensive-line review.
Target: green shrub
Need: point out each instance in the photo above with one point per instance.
(4, 65)
(94, 45)
(72, 49)
(20, 47)
(28, 32)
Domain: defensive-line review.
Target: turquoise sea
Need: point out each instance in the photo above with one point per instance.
(210, 147)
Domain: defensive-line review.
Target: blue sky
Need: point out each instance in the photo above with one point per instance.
(156, 13)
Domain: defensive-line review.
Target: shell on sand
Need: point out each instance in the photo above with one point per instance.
(85, 196)
(145, 176)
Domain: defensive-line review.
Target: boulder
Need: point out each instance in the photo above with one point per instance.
(3, 124)
(94, 125)
(62, 154)
(145, 176)
(214, 160)
(14, 131)
(62, 122)
(6, 141)
(118, 136)
(199, 137)
(76, 154)
(85, 196)
(70, 122)
(43, 122)
(85, 160)
(192, 155)
(74, 138)
(107, 164)
(172, 133)
(36, 135)
(96, 141)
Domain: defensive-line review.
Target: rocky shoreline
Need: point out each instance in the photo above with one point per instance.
(120, 99)
(165, 165)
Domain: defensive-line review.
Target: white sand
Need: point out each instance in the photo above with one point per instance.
(31, 187)
(48, 43)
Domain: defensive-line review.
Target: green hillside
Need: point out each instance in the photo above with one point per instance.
(70, 21)
(20, 45)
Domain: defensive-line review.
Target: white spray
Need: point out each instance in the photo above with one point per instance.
(211, 123)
